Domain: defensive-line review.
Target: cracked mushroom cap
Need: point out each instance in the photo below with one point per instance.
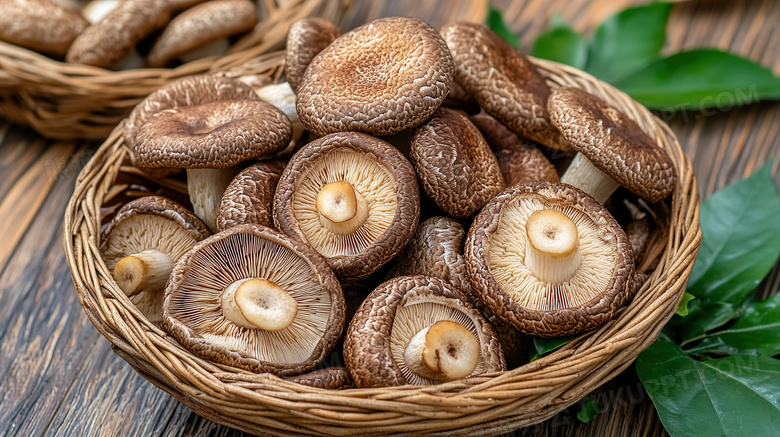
(329, 378)
(306, 37)
(380, 78)
(549, 260)
(520, 160)
(249, 197)
(353, 198)
(108, 41)
(41, 25)
(456, 167)
(201, 25)
(211, 135)
(252, 298)
(503, 81)
(188, 91)
(613, 142)
(436, 250)
(419, 330)
(143, 242)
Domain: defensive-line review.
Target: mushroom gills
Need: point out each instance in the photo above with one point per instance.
(445, 350)
(255, 303)
(144, 271)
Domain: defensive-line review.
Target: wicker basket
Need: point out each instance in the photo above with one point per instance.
(72, 101)
(483, 405)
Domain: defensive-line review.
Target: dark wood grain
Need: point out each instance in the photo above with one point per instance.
(59, 376)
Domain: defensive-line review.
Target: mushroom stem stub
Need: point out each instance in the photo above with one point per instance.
(147, 270)
(258, 304)
(444, 350)
(206, 187)
(552, 252)
(342, 209)
(583, 174)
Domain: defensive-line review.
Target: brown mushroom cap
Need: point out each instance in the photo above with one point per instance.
(201, 25)
(193, 312)
(151, 223)
(188, 91)
(520, 160)
(613, 142)
(380, 78)
(456, 167)
(249, 197)
(394, 313)
(378, 173)
(499, 259)
(217, 134)
(436, 250)
(329, 378)
(41, 25)
(504, 82)
(111, 39)
(305, 38)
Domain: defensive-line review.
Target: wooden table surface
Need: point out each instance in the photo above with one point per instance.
(58, 375)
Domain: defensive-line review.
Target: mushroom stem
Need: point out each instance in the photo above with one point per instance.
(206, 187)
(282, 96)
(144, 271)
(342, 209)
(552, 253)
(583, 174)
(255, 303)
(445, 350)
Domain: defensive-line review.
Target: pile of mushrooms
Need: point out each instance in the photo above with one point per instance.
(419, 180)
(116, 34)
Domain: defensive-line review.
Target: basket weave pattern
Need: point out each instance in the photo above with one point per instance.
(487, 404)
(73, 101)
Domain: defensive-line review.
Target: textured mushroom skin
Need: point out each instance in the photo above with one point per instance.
(40, 25)
(562, 322)
(108, 41)
(456, 167)
(330, 378)
(502, 80)
(201, 25)
(306, 37)
(407, 215)
(188, 91)
(249, 197)
(367, 344)
(190, 339)
(380, 78)
(520, 160)
(436, 250)
(211, 135)
(613, 142)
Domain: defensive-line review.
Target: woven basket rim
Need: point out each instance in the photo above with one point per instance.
(485, 404)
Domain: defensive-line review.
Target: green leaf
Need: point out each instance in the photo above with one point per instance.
(495, 21)
(699, 79)
(703, 317)
(682, 309)
(545, 345)
(562, 44)
(741, 239)
(756, 332)
(733, 396)
(628, 41)
(589, 410)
